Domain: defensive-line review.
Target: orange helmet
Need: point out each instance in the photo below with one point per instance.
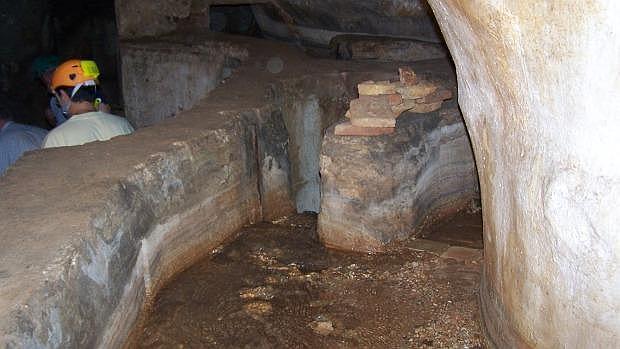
(74, 73)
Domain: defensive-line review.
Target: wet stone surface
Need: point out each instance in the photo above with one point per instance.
(276, 286)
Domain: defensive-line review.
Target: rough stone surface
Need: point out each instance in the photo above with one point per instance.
(346, 128)
(309, 106)
(419, 90)
(137, 18)
(376, 190)
(319, 21)
(372, 111)
(374, 120)
(461, 254)
(407, 76)
(538, 86)
(380, 103)
(385, 48)
(316, 22)
(372, 88)
(124, 226)
(87, 244)
(164, 78)
(277, 286)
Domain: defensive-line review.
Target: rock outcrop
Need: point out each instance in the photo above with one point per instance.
(383, 48)
(90, 233)
(538, 86)
(318, 21)
(376, 190)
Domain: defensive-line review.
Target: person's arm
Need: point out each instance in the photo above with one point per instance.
(12, 148)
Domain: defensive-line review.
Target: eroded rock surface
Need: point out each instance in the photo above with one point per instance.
(316, 21)
(376, 190)
(163, 78)
(538, 88)
(98, 229)
(385, 48)
(319, 21)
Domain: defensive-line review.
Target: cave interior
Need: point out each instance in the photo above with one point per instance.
(330, 173)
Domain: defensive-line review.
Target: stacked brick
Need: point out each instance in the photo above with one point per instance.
(380, 103)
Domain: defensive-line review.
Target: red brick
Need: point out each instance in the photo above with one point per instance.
(348, 129)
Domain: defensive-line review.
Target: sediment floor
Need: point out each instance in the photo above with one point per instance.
(276, 287)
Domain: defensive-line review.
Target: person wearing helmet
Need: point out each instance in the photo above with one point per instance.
(75, 86)
(43, 68)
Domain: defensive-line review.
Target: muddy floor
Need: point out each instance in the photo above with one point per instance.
(277, 287)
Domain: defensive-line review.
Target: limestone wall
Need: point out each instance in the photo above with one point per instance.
(381, 189)
(90, 233)
(309, 106)
(538, 88)
(100, 241)
(164, 78)
(319, 21)
(139, 18)
(316, 21)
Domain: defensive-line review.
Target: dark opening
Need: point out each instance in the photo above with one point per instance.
(234, 19)
(64, 28)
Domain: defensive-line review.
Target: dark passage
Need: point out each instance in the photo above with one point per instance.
(277, 287)
(233, 19)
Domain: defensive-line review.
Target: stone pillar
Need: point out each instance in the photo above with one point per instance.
(538, 86)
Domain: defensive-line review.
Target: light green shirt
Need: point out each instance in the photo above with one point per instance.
(87, 127)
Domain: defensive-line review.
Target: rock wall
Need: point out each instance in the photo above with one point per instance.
(121, 230)
(90, 233)
(164, 78)
(143, 18)
(186, 74)
(381, 189)
(139, 18)
(314, 22)
(538, 89)
(383, 48)
(309, 106)
(317, 22)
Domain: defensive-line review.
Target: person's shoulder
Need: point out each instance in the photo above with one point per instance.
(57, 137)
(100, 115)
(108, 115)
(17, 130)
(52, 135)
(57, 134)
(119, 120)
(17, 127)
